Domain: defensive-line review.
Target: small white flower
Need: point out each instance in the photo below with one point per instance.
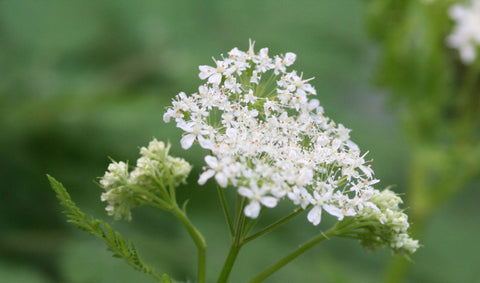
(217, 169)
(250, 97)
(262, 61)
(322, 202)
(194, 131)
(257, 196)
(289, 58)
(300, 196)
(466, 33)
(214, 75)
(232, 85)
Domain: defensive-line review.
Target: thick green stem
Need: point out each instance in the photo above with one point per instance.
(236, 241)
(199, 241)
(293, 255)
(227, 266)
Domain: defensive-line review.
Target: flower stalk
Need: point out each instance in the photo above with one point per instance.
(237, 242)
(198, 239)
(293, 255)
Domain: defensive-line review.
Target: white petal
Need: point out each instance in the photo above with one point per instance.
(215, 78)
(315, 215)
(221, 179)
(269, 201)
(366, 170)
(211, 161)
(313, 104)
(205, 143)
(310, 88)
(457, 12)
(333, 210)
(246, 192)
(182, 95)
(187, 127)
(205, 71)
(231, 132)
(167, 116)
(187, 141)
(468, 53)
(263, 51)
(353, 146)
(252, 209)
(290, 58)
(205, 176)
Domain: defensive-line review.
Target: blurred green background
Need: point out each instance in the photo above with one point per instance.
(82, 81)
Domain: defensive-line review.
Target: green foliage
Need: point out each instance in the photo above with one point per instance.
(415, 63)
(113, 239)
(436, 95)
(437, 98)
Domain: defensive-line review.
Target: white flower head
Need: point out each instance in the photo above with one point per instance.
(268, 136)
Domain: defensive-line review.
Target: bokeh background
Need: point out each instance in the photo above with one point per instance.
(82, 81)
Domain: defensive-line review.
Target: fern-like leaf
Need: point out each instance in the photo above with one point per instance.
(113, 239)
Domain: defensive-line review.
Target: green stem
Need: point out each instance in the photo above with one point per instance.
(227, 266)
(273, 226)
(240, 223)
(160, 202)
(353, 228)
(249, 226)
(226, 212)
(163, 189)
(197, 239)
(236, 241)
(293, 255)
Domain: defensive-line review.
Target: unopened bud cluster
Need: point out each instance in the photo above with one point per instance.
(155, 171)
(385, 224)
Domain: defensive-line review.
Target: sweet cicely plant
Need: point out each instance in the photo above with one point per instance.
(266, 140)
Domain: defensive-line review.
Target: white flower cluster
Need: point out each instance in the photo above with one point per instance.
(466, 33)
(394, 224)
(155, 171)
(267, 138)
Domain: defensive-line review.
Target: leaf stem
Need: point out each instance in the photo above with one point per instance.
(226, 212)
(236, 241)
(273, 226)
(293, 255)
(198, 239)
